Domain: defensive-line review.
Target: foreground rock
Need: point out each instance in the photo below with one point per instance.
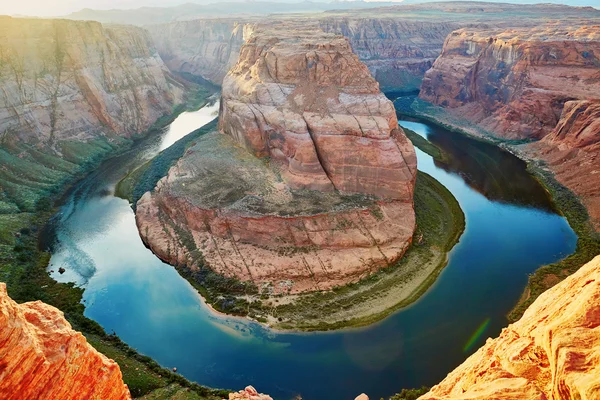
(249, 393)
(310, 187)
(552, 352)
(44, 359)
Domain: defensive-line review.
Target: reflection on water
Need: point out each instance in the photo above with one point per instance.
(187, 122)
(131, 292)
(488, 169)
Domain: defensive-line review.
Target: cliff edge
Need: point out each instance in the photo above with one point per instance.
(42, 358)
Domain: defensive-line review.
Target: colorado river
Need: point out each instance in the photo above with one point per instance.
(511, 230)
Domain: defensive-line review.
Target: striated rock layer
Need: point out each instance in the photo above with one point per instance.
(572, 151)
(64, 80)
(552, 352)
(515, 82)
(311, 185)
(529, 83)
(42, 358)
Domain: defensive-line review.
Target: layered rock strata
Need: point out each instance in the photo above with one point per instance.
(311, 184)
(572, 151)
(535, 83)
(68, 80)
(552, 352)
(42, 358)
(515, 82)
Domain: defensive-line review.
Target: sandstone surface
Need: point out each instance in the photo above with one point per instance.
(310, 184)
(552, 352)
(515, 82)
(249, 393)
(42, 358)
(572, 151)
(79, 80)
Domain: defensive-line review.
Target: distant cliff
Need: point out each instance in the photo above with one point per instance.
(42, 358)
(552, 352)
(515, 82)
(69, 91)
(397, 52)
(529, 83)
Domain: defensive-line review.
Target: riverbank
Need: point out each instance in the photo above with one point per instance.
(569, 205)
(23, 265)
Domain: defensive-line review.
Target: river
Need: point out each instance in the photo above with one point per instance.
(511, 230)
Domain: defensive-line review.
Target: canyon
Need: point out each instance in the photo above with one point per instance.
(322, 190)
(538, 84)
(43, 358)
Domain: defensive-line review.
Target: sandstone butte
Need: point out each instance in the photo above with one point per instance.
(530, 83)
(42, 358)
(308, 186)
(552, 352)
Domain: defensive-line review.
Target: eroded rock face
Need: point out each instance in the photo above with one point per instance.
(42, 358)
(572, 151)
(249, 393)
(307, 102)
(310, 184)
(515, 82)
(64, 80)
(552, 352)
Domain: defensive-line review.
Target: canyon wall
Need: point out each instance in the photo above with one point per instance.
(397, 52)
(42, 358)
(79, 80)
(552, 352)
(515, 82)
(529, 83)
(309, 185)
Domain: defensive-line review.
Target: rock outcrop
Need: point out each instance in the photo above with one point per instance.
(552, 352)
(572, 151)
(311, 184)
(249, 393)
(42, 358)
(529, 83)
(515, 82)
(64, 80)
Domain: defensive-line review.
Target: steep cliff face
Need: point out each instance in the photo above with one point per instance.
(552, 352)
(65, 79)
(572, 151)
(311, 184)
(42, 358)
(515, 82)
(397, 51)
(207, 48)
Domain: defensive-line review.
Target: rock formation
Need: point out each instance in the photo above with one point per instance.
(552, 352)
(515, 82)
(65, 80)
(42, 358)
(249, 393)
(311, 184)
(572, 151)
(529, 83)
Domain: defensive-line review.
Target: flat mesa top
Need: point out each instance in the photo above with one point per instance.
(219, 174)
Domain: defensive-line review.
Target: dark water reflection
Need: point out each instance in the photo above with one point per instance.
(131, 292)
(489, 170)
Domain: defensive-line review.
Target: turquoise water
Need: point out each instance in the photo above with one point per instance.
(510, 231)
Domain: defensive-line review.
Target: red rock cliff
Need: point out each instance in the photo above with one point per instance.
(552, 352)
(42, 358)
(515, 82)
(311, 185)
